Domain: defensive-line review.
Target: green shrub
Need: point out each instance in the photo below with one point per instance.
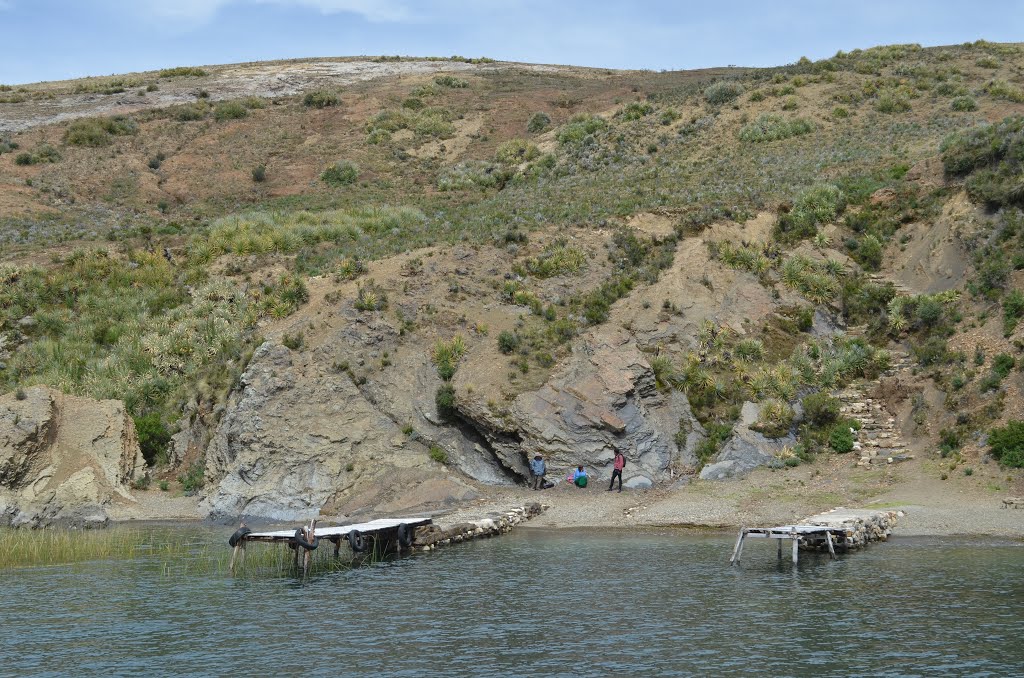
(635, 110)
(24, 159)
(1007, 444)
(775, 419)
(819, 204)
(668, 116)
(153, 438)
(182, 71)
(164, 486)
(378, 136)
(773, 127)
(293, 342)
(516, 151)
(579, 128)
(869, 252)
(451, 81)
(192, 479)
(320, 98)
(964, 103)
(932, 351)
(538, 122)
(98, 131)
(722, 92)
(992, 158)
(716, 434)
(1000, 89)
(840, 113)
(341, 173)
(371, 297)
(892, 101)
(557, 259)
(508, 342)
(438, 454)
(473, 174)
(840, 438)
(413, 104)
(188, 112)
(1013, 310)
(445, 400)
(229, 110)
(259, 173)
(821, 409)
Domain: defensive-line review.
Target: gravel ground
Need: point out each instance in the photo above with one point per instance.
(958, 506)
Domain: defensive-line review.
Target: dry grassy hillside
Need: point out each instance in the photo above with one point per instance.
(763, 236)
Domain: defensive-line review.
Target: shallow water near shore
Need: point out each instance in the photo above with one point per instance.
(534, 602)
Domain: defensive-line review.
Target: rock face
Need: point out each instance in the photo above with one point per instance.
(64, 459)
(601, 400)
(746, 449)
(297, 440)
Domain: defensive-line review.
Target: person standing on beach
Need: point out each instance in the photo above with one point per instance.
(537, 471)
(620, 463)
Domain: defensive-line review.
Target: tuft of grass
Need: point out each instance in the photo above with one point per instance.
(538, 122)
(99, 131)
(451, 81)
(341, 173)
(963, 104)
(773, 127)
(438, 454)
(320, 98)
(182, 72)
(722, 92)
(230, 110)
(516, 151)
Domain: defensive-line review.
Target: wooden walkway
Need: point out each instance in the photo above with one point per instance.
(796, 533)
(840, 528)
(382, 535)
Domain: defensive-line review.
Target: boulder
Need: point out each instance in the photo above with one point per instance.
(64, 459)
(638, 483)
(297, 440)
(746, 449)
(603, 398)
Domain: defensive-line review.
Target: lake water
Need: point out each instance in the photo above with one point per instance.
(536, 603)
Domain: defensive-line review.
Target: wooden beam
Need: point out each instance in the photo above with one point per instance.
(796, 545)
(831, 551)
(736, 550)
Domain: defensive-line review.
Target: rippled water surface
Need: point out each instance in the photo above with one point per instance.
(536, 603)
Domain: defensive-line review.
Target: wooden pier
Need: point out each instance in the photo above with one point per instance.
(838, 529)
(380, 537)
(386, 535)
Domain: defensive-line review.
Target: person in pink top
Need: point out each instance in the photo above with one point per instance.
(620, 463)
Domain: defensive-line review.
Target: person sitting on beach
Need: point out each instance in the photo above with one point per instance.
(579, 478)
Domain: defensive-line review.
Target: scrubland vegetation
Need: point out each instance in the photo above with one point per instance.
(812, 142)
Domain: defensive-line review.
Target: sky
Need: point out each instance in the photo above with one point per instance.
(58, 39)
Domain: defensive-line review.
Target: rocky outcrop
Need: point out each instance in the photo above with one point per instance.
(604, 399)
(63, 459)
(746, 449)
(297, 440)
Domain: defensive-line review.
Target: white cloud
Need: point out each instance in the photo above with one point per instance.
(201, 11)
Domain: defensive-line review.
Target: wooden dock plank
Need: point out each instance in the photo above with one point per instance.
(341, 530)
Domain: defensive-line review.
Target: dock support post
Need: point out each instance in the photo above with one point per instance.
(831, 550)
(796, 545)
(738, 549)
(238, 551)
(779, 540)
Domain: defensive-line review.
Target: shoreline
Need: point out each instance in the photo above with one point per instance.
(684, 509)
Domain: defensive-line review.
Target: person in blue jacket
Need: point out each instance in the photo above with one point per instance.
(579, 478)
(537, 471)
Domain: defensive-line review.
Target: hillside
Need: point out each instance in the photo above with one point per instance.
(344, 285)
